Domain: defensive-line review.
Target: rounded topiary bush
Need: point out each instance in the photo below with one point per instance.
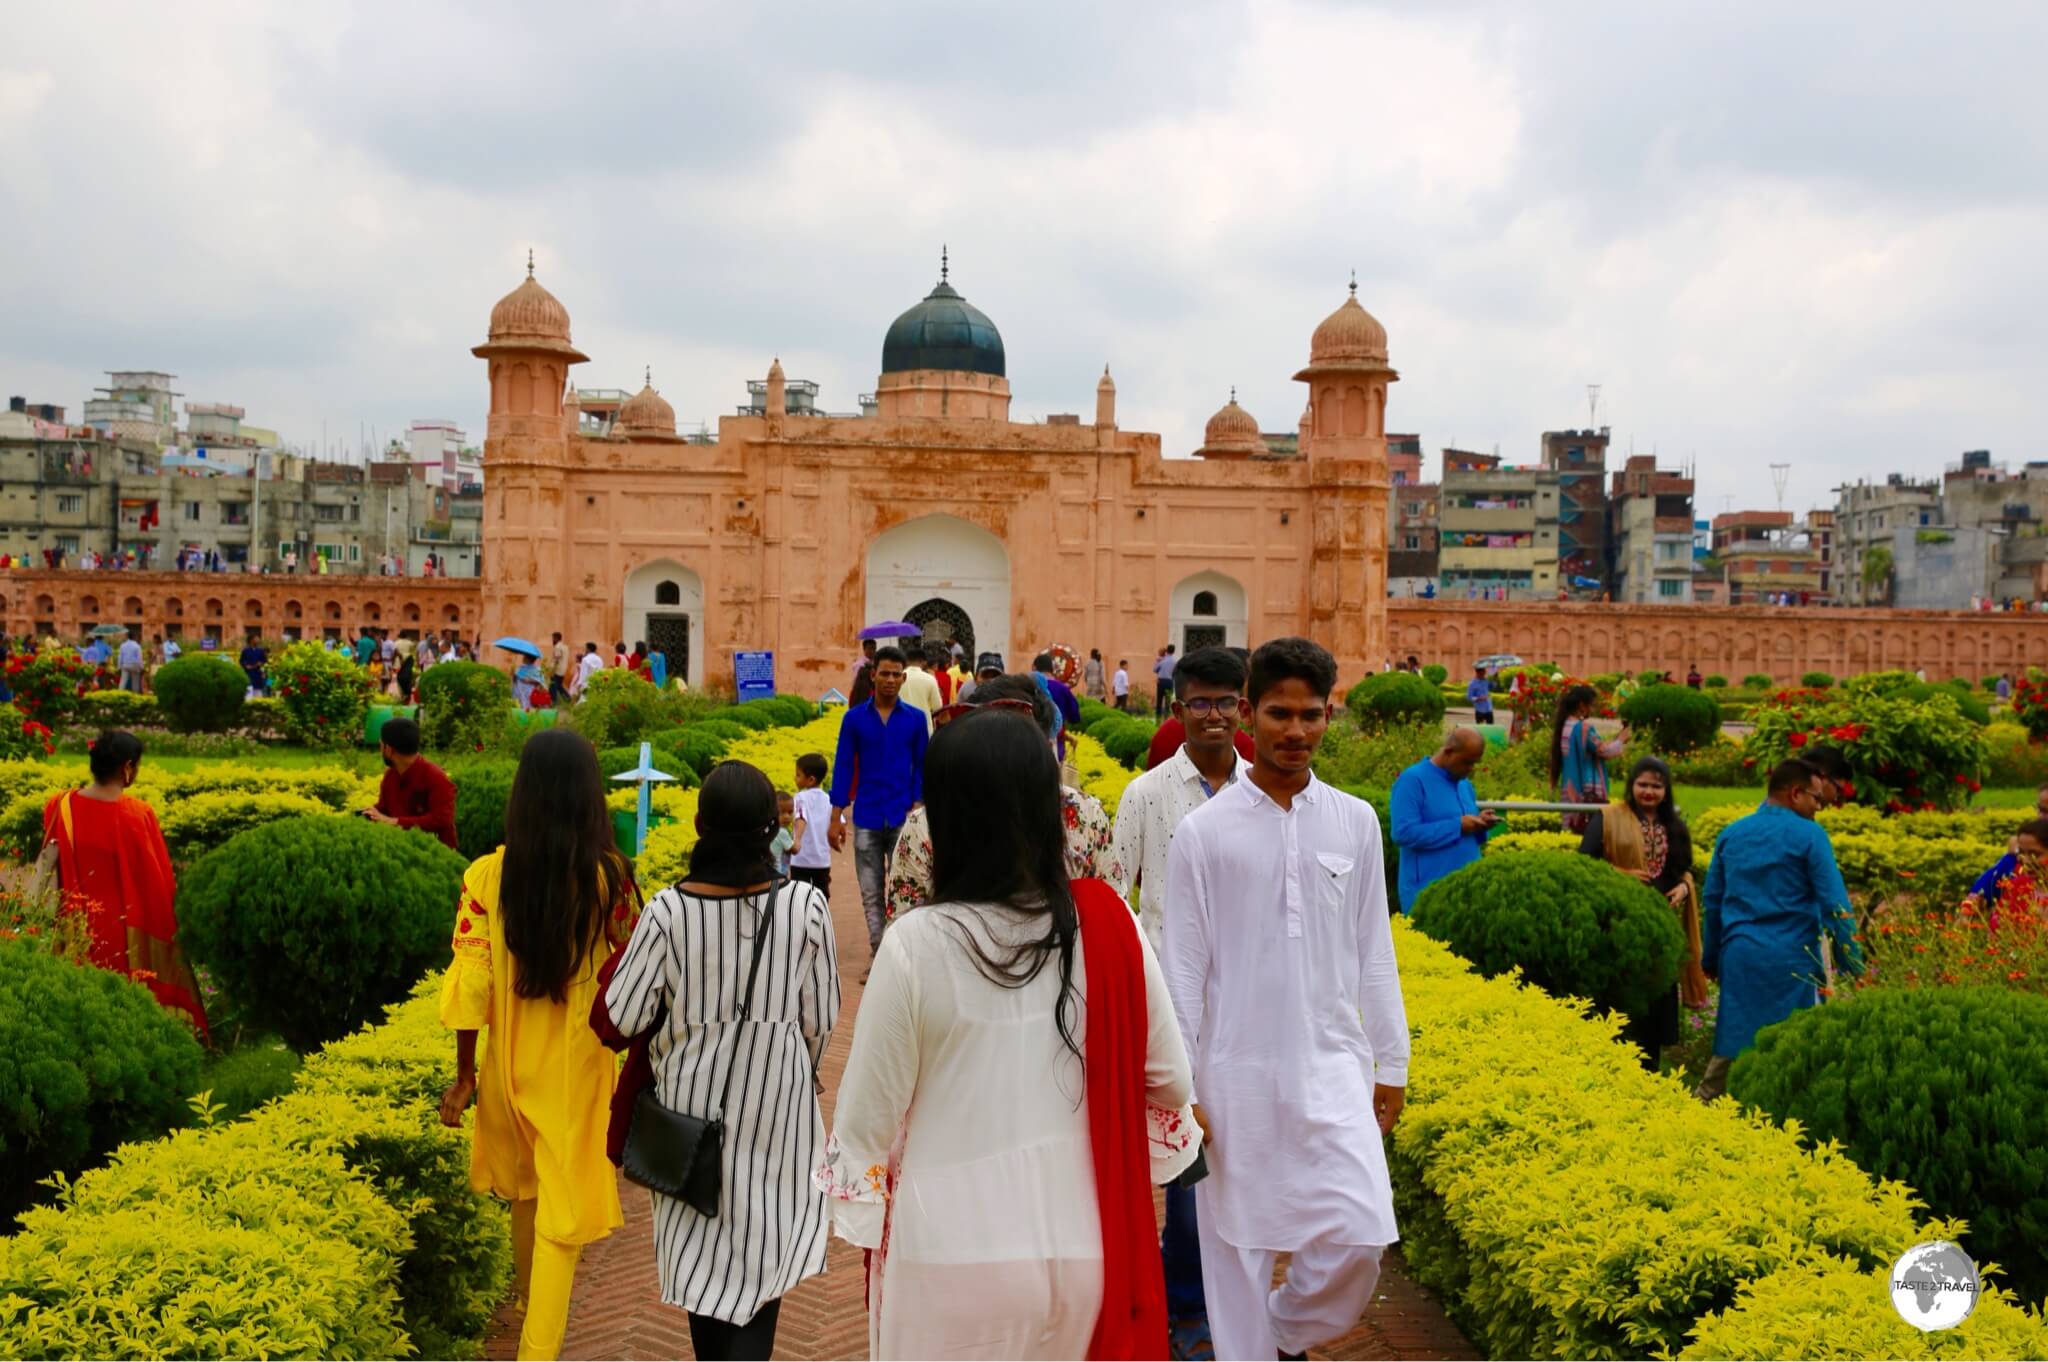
(1575, 926)
(748, 717)
(192, 827)
(619, 707)
(1674, 718)
(462, 704)
(1818, 680)
(1716, 681)
(1125, 739)
(697, 746)
(1757, 681)
(1385, 699)
(786, 710)
(1945, 1089)
(316, 924)
(1435, 673)
(482, 789)
(88, 1060)
(200, 693)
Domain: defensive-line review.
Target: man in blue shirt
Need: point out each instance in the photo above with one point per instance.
(1480, 692)
(1772, 892)
(1437, 823)
(880, 773)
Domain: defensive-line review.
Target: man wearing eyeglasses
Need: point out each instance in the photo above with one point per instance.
(1773, 895)
(1208, 755)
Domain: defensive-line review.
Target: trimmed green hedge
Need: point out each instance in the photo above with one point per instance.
(1945, 1089)
(1676, 719)
(1565, 1203)
(88, 1059)
(1571, 924)
(200, 693)
(1388, 698)
(336, 1222)
(482, 789)
(463, 704)
(317, 924)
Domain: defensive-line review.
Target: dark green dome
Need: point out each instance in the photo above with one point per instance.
(944, 331)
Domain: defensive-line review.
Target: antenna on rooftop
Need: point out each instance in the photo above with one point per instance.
(1780, 474)
(1593, 406)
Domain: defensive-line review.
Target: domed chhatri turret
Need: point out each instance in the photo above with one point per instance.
(944, 358)
(532, 318)
(1347, 377)
(529, 353)
(646, 412)
(1232, 433)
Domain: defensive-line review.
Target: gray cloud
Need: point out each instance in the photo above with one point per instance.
(1808, 236)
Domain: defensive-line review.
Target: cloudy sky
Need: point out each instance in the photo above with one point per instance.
(1818, 238)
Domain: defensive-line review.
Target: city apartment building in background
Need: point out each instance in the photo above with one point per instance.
(129, 480)
(1765, 555)
(1411, 520)
(1579, 460)
(1866, 515)
(1497, 528)
(1650, 533)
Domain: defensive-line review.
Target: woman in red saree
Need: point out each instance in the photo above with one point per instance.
(112, 864)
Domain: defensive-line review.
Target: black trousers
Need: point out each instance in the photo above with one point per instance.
(713, 1340)
(820, 875)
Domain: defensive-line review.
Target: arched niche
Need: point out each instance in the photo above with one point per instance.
(1225, 622)
(664, 608)
(949, 559)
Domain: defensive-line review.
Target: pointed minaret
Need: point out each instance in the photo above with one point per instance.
(1105, 402)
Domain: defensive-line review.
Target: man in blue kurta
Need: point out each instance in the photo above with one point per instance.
(879, 774)
(1436, 818)
(1772, 891)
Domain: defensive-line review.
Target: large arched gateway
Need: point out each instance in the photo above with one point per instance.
(942, 571)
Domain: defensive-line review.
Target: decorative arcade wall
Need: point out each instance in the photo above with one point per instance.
(1583, 638)
(1734, 641)
(231, 606)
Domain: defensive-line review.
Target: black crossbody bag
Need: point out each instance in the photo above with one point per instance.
(680, 1155)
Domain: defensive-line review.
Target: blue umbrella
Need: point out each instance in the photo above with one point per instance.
(891, 629)
(517, 645)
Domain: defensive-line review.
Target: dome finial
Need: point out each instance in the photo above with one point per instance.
(529, 262)
(944, 264)
(1354, 283)
(1233, 394)
(649, 379)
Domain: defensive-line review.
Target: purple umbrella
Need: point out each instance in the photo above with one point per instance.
(891, 629)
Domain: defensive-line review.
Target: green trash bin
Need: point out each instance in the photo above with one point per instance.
(622, 826)
(544, 717)
(379, 715)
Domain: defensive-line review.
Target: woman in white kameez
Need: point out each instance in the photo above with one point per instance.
(968, 1142)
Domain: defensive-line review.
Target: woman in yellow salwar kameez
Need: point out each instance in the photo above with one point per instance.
(538, 918)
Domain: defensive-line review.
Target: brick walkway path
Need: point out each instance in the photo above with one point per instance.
(617, 1310)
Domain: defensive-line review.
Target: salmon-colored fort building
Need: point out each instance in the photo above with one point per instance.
(794, 530)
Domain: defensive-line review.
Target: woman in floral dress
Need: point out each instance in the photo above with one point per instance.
(1578, 757)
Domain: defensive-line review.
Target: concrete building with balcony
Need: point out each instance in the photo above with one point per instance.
(1579, 459)
(1497, 529)
(135, 404)
(1413, 555)
(1766, 555)
(1866, 513)
(1650, 533)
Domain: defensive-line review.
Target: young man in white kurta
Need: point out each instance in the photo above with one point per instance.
(1280, 960)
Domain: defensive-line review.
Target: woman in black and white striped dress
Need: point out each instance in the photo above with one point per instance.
(685, 971)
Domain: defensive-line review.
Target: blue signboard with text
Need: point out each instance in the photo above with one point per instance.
(753, 674)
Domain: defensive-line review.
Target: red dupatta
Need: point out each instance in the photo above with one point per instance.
(1133, 1318)
(148, 898)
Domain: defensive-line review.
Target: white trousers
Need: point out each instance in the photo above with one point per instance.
(1325, 1293)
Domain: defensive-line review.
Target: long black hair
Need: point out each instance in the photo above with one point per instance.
(736, 820)
(1571, 702)
(1667, 810)
(992, 796)
(562, 871)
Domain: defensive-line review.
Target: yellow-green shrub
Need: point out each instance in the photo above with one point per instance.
(334, 786)
(666, 855)
(1532, 841)
(1565, 1203)
(229, 1242)
(336, 1222)
(197, 825)
(1099, 773)
(455, 1273)
(1796, 1312)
